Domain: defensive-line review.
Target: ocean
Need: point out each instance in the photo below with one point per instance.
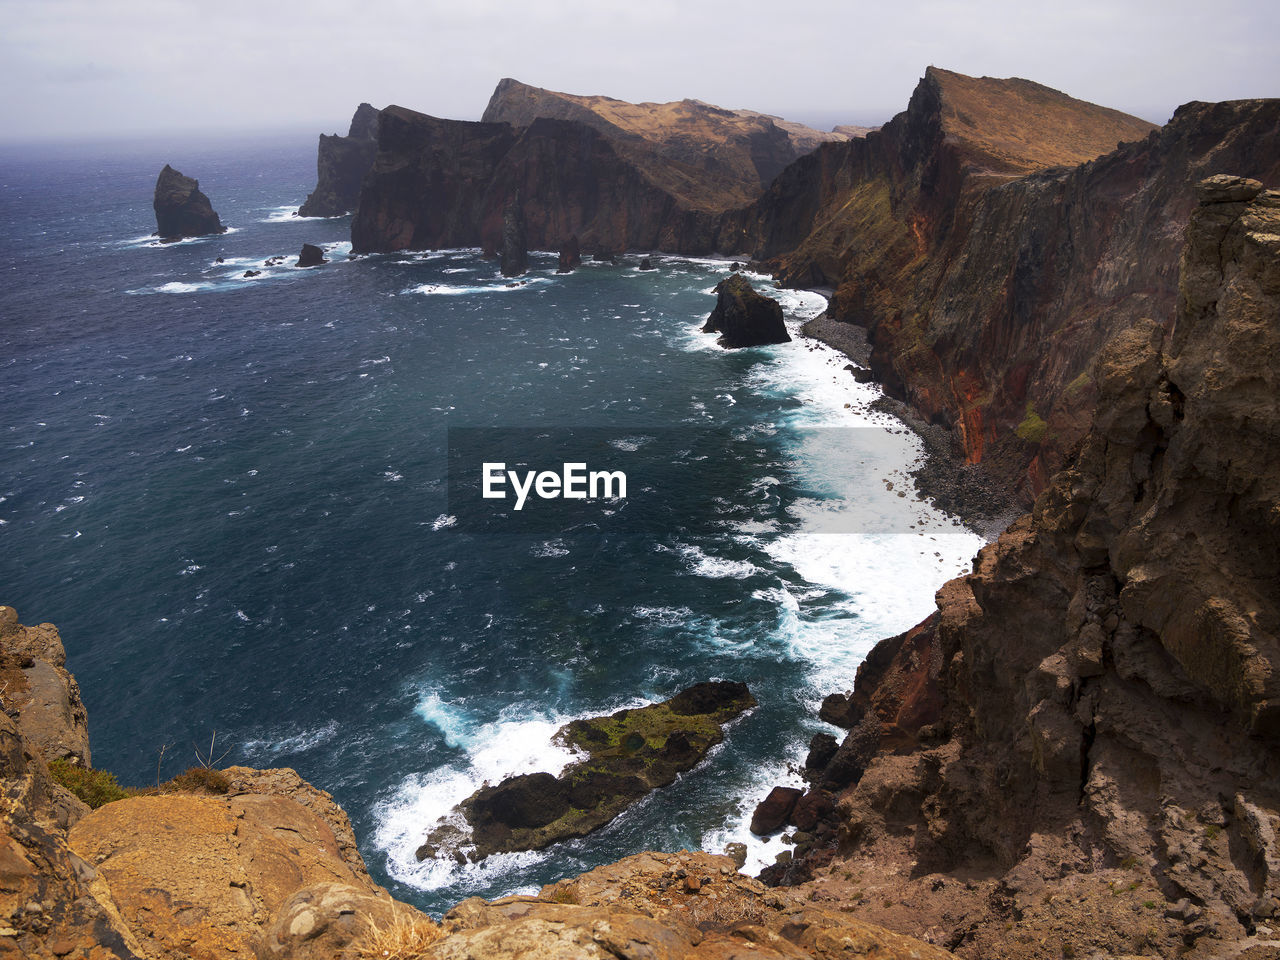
(233, 496)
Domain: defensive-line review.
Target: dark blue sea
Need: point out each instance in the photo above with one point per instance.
(232, 496)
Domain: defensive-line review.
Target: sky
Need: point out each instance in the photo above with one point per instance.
(83, 69)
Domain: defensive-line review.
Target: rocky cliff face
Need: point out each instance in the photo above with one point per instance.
(181, 209)
(736, 152)
(991, 238)
(341, 163)
(1088, 727)
(619, 176)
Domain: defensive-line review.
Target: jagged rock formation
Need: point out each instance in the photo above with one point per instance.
(990, 239)
(514, 259)
(181, 209)
(341, 163)
(616, 175)
(626, 756)
(1088, 729)
(744, 318)
(310, 256)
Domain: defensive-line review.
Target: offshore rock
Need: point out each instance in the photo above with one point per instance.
(341, 164)
(311, 256)
(628, 754)
(515, 244)
(570, 255)
(744, 318)
(1105, 682)
(181, 209)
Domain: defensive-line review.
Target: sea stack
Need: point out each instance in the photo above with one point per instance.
(181, 209)
(311, 256)
(515, 247)
(570, 255)
(744, 318)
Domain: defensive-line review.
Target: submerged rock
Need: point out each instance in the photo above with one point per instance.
(181, 209)
(628, 754)
(311, 256)
(744, 318)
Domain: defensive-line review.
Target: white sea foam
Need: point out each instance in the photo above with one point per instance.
(282, 742)
(550, 548)
(703, 564)
(285, 214)
(517, 741)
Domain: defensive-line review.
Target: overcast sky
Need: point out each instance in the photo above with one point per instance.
(84, 68)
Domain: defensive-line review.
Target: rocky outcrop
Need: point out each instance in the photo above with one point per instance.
(666, 907)
(181, 209)
(310, 256)
(341, 163)
(743, 317)
(991, 239)
(1089, 721)
(627, 755)
(514, 255)
(570, 255)
(39, 692)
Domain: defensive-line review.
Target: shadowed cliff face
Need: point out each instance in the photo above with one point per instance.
(341, 163)
(1097, 706)
(619, 176)
(991, 238)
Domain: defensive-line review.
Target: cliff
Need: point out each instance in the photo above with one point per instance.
(619, 176)
(990, 239)
(341, 163)
(220, 865)
(737, 152)
(182, 210)
(1081, 749)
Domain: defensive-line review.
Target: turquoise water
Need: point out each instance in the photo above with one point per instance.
(232, 497)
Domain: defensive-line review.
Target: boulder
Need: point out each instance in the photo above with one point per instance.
(811, 809)
(744, 318)
(772, 812)
(822, 749)
(647, 264)
(181, 209)
(570, 255)
(311, 256)
(838, 709)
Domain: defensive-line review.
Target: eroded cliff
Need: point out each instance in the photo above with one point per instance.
(619, 176)
(1082, 746)
(990, 239)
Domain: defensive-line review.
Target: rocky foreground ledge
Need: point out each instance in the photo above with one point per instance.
(243, 863)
